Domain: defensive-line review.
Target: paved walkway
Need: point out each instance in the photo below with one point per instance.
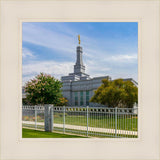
(84, 128)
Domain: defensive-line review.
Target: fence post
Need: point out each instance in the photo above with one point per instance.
(87, 121)
(48, 117)
(53, 117)
(63, 119)
(35, 117)
(115, 121)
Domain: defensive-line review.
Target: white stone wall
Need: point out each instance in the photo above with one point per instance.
(69, 88)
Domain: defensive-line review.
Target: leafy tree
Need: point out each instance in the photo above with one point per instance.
(25, 101)
(62, 102)
(117, 93)
(43, 89)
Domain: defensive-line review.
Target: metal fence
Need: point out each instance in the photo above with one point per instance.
(87, 121)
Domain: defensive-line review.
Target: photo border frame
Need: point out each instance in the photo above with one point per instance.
(17, 139)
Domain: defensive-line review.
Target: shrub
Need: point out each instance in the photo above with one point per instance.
(25, 118)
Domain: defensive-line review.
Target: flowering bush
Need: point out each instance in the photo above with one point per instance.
(43, 89)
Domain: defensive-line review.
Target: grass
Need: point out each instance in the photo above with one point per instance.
(95, 134)
(30, 133)
(71, 131)
(123, 122)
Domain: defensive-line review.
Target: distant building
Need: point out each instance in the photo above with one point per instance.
(79, 87)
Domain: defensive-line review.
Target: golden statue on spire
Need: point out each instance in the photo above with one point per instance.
(79, 39)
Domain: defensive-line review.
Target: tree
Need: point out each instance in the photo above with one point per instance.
(62, 102)
(117, 93)
(43, 89)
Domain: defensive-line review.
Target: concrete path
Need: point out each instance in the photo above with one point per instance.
(84, 128)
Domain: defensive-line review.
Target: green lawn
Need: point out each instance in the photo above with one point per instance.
(123, 122)
(29, 133)
(95, 134)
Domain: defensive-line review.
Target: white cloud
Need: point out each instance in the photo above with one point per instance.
(47, 38)
(56, 69)
(94, 68)
(117, 66)
(27, 53)
(123, 58)
(62, 39)
(27, 78)
(103, 56)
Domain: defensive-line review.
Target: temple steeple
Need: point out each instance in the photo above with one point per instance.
(79, 67)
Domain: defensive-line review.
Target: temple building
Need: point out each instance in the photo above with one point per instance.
(78, 87)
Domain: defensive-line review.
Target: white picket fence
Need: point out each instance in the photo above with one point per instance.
(87, 121)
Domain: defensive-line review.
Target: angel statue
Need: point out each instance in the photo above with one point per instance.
(79, 39)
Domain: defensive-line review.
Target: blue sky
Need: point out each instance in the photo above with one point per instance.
(109, 48)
